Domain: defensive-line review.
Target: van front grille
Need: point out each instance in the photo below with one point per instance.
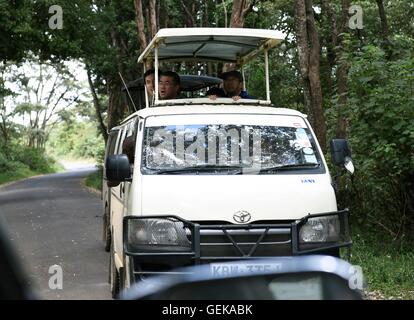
(254, 242)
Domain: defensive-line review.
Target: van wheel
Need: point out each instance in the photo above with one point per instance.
(114, 278)
(107, 230)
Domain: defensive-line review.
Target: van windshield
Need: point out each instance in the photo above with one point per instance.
(228, 149)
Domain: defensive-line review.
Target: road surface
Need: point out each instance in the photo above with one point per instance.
(56, 220)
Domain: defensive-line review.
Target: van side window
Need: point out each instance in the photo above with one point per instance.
(127, 140)
(111, 142)
(121, 140)
(128, 146)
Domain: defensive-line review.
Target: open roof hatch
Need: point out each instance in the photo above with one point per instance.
(230, 45)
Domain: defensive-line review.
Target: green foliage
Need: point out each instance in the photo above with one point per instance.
(18, 162)
(381, 130)
(10, 165)
(387, 268)
(76, 140)
(94, 180)
(16, 157)
(35, 159)
(283, 81)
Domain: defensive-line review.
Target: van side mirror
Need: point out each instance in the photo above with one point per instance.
(341, 154)
(118, 168)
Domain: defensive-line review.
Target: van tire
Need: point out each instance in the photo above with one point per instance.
(114, 278)
(107, 230)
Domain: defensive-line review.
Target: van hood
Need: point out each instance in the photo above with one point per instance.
(220, 197)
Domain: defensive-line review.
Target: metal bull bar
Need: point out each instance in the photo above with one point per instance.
(228, 233)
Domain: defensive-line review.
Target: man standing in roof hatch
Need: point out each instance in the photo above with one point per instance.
(169, 85)
(232, 87)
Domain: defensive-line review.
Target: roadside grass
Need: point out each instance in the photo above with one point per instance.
(387, 265)
(94, 180)
(22, 172)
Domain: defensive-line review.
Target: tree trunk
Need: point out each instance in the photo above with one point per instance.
(97, 106)
(153, 17)
(206, 22)
(239, 12)
(342, 78)
(225, 13)
(385, 30)
(4, 130)
(139, 17)
(309, 61)
(303, 54)
(331, 40)
(342, 73)
(336, 58)
(189, 14)
(314, 77)
(384, 22)
(116, 105)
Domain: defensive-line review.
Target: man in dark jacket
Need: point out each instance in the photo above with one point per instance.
(232, 87)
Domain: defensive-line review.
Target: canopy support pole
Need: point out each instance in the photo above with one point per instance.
(266, 54)
(156, 74)
(146, 91)
(244, 78)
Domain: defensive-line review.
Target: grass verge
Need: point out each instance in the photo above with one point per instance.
(388, 265)
(22, 172)
(94, 180)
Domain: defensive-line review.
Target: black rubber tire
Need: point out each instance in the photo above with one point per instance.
(107, 230)
(114, 279)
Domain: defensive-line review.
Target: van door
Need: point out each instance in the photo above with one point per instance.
(105, 194)
(117, 204)
(119, 199)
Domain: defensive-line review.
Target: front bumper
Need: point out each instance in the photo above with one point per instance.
(226, 242)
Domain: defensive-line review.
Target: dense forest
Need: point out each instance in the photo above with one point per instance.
(348, 65)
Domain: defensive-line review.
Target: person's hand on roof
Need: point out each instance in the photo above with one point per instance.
(212, 97)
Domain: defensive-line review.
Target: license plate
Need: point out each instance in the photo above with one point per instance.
(226, 269)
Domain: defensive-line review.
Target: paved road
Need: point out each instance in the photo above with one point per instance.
(52, 220)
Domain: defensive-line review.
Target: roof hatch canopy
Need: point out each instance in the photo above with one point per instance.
(234, 45)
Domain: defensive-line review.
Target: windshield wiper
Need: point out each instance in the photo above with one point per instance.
(287, 167)
(200, 168)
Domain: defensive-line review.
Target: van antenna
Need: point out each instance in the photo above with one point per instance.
(129, 95)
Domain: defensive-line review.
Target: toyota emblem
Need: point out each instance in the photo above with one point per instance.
(242, 217)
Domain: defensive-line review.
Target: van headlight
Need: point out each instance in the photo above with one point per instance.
(155, 234)
(320, 229)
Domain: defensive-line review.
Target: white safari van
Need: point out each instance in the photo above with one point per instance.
(217, 180)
